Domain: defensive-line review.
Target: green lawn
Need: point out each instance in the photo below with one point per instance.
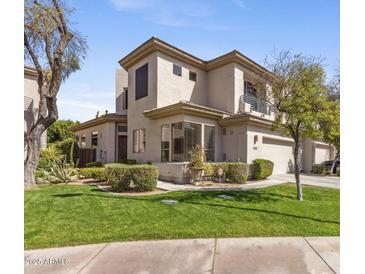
(61, 215)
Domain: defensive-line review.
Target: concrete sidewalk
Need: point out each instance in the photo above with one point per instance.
(306, 179)
(230, 255)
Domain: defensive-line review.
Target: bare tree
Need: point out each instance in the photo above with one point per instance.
(298, 96)
(55, 51)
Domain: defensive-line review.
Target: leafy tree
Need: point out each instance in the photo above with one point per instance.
(59, 131)
(298, 95)
(330, 124)
(55, 51)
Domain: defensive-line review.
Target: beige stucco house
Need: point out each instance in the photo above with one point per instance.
(31, 102)
(168, 100)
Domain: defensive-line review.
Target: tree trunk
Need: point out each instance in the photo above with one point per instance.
(297, 170)
(33, 148)
(334, 162)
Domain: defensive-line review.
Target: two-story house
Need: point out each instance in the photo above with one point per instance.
(171, 101)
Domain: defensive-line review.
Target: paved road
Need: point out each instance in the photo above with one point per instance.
(306, 179)
(230, 255)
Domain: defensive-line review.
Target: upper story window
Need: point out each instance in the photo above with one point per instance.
(192, 76)
(249, 89)
(125, 98)
(177, 70)
(142, 81)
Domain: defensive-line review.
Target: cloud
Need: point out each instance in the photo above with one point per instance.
(239, 3)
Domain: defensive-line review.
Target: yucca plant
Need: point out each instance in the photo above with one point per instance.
(60, 172)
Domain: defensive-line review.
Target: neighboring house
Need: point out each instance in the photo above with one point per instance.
(31, 102)
(176, 100)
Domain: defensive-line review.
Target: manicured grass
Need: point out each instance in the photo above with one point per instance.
(61, 215)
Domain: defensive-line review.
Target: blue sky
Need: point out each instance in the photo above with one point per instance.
(203, 28)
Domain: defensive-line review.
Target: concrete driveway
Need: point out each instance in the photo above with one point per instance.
(230, 255)
(310, 179)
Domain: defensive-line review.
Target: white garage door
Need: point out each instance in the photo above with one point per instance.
(280, 152)
(322, 153)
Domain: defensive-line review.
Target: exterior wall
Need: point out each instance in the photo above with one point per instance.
(31, 91)
(234, 144)
(121, 82)
(172, 88)
(136, 119)
(270, 145)
(221, 88)
(106, 148)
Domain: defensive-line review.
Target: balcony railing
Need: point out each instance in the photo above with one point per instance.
(28, 103)
(256, 104)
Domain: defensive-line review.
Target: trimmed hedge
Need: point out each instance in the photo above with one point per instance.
(233, 172)
(123, 177)
(237, 173)
(128, 162)
(262, 168)
(94, 164)
(319, 169)
(98, 173)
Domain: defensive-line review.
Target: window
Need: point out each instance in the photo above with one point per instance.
(122, 128)
(139, 140)
(94, 144)
(224, 131)
(83, 141)
(165, 143)
(209, 143)
(249, 89)
(142, 81)
(125, 98)
(184, 137)
(192, 76)
(176, 70)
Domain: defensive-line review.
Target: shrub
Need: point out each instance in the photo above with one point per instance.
(233, 172)
(94, 164)
(60, 172)
(118, 177)
(319, 169)
(128, 161)
(144, 177)
(124, 177)
(209, 169)
(197, 158)
(236, 172)
(48, 155)
(98, 173)
(262, 168)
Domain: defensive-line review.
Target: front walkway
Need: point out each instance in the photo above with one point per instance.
(230, 255)
(306, 179)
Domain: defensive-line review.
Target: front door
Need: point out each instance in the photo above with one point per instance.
(122, 147)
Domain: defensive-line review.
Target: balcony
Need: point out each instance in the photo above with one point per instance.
(256, 106)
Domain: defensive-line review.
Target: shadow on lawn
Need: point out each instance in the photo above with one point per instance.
(209, 199)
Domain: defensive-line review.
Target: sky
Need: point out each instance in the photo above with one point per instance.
(204, 28)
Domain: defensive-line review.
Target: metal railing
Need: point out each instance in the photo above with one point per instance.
(257, 104)
(28, 103)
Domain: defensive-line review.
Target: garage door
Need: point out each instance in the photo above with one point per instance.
(322, 153)
(280, 152)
